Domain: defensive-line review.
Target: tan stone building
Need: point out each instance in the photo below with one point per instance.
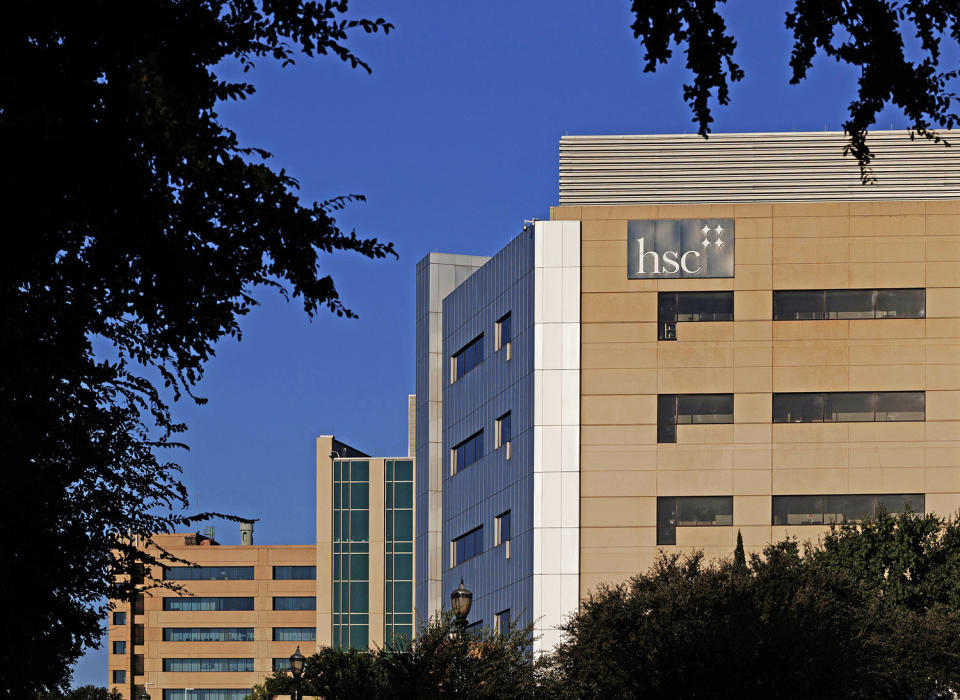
(707, 337)
(244, 609)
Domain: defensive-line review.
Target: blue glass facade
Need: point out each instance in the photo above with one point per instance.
(398, 550)
(351, 554)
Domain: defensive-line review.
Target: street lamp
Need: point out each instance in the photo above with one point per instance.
(297, 661)
(460, 601)
(144, 695)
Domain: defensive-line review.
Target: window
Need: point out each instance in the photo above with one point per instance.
(208, 573)
(351, 554)
(207, 604)
(849, 407)
(474, 626)
(119, 647)
(119, 676)
(294, 603)
(119, 618)
(281, 664)
(691, 511)
(501, 621)
(823, 510)
(467, 546)
(294, 573)
(685, 409)
(504, 433)
(398, 554)
(208, 634)
(691, 306)
(207, 665)
(294, 634)
(466, 453)
(466, 359)
(207, 693)
(502, 532)
(813, 304)
(504, 335)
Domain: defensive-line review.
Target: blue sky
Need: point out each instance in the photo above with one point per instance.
(453, 139)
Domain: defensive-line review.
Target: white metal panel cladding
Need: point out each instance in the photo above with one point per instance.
(784, 167)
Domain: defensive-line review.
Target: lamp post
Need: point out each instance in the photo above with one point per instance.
(297, 661)
(144, 695)
(460, 601)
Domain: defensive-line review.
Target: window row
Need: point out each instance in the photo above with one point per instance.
(207, 693)
(710, 511)
(208, 573)
(208, 634)
(824, 510)
(849, 406)
(472, 354)
(805, 407)
(294, 634)
(470, 544)
(207, 604)
(791, 305)
(208, 665)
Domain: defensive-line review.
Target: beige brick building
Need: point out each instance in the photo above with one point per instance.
(243, 609)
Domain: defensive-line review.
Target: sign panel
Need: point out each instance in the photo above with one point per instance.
(676, 248)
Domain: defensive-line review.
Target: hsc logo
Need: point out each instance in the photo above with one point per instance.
(665, 248)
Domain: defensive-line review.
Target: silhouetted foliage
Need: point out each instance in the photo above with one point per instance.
(136, 222)
(833, 620)
(439, 663)
(83, 692)
(871, 35)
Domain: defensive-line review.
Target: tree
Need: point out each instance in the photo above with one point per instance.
(867, 34)
(83, 692)
(136, 222)
(783, 626)
(441, 662)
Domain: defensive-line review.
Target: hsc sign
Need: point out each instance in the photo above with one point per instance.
(672, 248)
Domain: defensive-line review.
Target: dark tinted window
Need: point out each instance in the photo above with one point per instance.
(506, 428)
(691, 511)
(119, 676)
(674, 409)
(704, 408)
(294, 603)
(694, 306)
(811, 304)
(901, 405)
(294, 634)
(208, 665)
(504, 331)
(850, 303)
(208, 573)
(467, 452)
(901, 303)
(849, 407)
(299, 573)
(505, 527)
(208, 634)
(119, 618)
(468, 357)
(182, 604)
(798, 306)
(852, 407)
(837, 508)
(468, 545)
(119, 647)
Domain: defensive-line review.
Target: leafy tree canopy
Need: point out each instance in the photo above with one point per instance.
(83, 692)
(442, 662)
(868, 613)
(873, 36)
(135, 218)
